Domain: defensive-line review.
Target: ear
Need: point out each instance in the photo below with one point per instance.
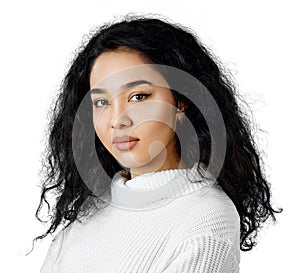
(181, 108)
(182, 105)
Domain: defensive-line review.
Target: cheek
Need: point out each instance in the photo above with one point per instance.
(101, 123)
(156, 113)
(156, 131)
(155, 139)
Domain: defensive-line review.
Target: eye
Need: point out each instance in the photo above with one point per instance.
(139, 97)
(100, 103)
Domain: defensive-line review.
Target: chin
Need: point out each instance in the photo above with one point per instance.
(128, 161)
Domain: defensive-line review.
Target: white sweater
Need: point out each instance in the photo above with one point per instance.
(167, 221)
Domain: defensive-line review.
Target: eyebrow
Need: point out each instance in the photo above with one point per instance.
(124, 86)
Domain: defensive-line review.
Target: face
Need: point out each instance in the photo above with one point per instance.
(133, 112)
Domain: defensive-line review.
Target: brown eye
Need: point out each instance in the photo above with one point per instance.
(139, 97)
(101, 103)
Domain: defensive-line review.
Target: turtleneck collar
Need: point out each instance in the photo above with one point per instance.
(155, 189)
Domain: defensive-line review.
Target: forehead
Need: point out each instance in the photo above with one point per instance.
(113, 70)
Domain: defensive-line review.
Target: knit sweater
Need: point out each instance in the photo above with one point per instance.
(166, 221)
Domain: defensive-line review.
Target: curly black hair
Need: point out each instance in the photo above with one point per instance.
(242, 176)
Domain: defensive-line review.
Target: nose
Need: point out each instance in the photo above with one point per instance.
(120, 117)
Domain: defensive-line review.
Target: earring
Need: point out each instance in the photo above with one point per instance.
(180, 116)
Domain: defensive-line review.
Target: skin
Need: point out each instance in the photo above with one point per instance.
(145, 111)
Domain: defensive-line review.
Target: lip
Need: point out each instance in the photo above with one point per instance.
(124, 139)
(125, 142)
(125, 146)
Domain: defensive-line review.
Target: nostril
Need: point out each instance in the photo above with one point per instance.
(121, 122)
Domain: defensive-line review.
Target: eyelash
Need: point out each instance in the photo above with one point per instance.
(140, 94)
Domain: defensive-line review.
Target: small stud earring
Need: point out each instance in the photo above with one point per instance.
(180, 116)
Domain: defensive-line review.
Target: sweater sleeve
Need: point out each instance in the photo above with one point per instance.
(52, 254)
(206, 254)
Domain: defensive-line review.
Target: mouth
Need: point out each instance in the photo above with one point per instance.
(125, 142)
(124, 139)
(124, 146)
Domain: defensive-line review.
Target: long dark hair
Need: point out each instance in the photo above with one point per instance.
(161, 42)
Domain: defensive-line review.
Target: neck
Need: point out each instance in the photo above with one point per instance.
(156, 189)
(156, 166)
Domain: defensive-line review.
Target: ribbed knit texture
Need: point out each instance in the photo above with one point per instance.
(167, 221)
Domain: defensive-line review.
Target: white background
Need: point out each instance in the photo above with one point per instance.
(258, 41)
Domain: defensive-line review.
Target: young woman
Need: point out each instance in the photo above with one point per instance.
(152, 162)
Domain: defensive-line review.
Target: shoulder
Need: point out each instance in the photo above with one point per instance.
(207, 236)
(209, 213)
